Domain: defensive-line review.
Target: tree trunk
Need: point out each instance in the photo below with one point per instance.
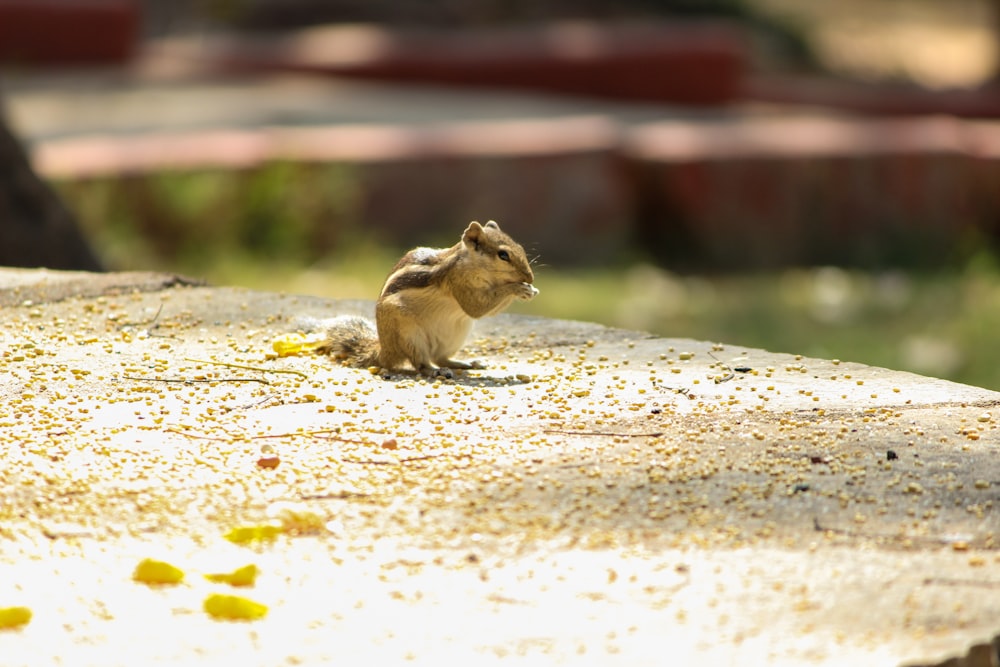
(36, 228)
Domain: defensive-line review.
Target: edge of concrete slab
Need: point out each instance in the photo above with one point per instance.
(35, 286)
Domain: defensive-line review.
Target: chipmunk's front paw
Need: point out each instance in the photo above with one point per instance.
(463, 365)
(528, 291)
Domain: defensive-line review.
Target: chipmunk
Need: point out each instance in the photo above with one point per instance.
(429, 301)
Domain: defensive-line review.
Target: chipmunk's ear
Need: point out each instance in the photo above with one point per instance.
(472, 234)
(492, 224)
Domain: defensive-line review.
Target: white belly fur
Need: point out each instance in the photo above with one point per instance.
(445, 325)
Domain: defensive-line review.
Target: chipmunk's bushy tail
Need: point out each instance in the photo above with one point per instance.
(353, 339)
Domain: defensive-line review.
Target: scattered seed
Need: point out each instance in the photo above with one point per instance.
(233, 608)
(150, 571)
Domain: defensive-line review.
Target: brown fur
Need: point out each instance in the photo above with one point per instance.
(430, 299)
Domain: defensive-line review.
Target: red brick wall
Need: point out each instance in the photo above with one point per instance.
(67, 32)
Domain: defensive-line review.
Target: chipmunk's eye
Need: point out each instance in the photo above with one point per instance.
(503, 255)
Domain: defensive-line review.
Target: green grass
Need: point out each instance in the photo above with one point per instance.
(295, 229)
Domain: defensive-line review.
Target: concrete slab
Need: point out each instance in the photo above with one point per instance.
(594, 496)
(715, 187)
(25, 288)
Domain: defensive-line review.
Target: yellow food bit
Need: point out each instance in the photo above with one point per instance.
(248, 534)
(244, 576)
(151, 571)
(291, 344)
(233, 608)
(14, 617)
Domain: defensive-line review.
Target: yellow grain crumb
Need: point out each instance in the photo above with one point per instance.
(14, 617)
(243, 576)
(292, 344)
(249, 534)
(233, 608)
(150, 571)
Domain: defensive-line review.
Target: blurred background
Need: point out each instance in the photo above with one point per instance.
(809, 177)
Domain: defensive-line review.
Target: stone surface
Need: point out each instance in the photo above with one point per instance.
(594, 496)
(26, 288)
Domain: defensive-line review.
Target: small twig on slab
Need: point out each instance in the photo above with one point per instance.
(150, 325)
(246, 367)
(198, 436)
(334, 495)
(144, 323)
(330, 434)
(322, 435)
(655, 434)
(719, 379)
(923, 539)
(683, 391)
(254, 404)
(410, 459)
(978, 583)
(193, 380)
(266, 436)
